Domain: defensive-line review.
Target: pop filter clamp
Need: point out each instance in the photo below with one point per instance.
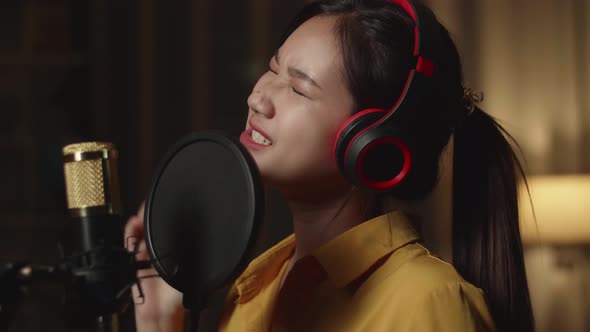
(202, 215)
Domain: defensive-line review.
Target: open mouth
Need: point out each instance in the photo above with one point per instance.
(259, 138)
(254, 139)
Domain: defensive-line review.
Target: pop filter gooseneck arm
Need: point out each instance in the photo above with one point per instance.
(202, 215)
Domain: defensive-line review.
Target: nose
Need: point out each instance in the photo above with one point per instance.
(260, 102)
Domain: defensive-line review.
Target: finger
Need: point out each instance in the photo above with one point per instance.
(135, 222)
(142, 253)
(134, 242)
(134, 226)
(148, 284)
(134, 231)
(149, 279)
(141, 210)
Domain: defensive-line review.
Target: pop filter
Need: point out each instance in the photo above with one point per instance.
(202, 214)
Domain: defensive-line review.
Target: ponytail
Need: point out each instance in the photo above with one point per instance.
(487, 248)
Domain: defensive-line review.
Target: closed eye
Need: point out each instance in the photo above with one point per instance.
(297, 92)
(270, 69)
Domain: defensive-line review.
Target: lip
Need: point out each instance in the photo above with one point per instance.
(248, 142)
(255, 127)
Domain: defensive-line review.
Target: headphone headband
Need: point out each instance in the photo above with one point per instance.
(425, 26)
(371, 147)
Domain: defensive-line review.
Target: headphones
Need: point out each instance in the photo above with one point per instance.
(371, 149)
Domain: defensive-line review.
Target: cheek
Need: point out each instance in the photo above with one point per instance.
(313, 140)
(247, 122)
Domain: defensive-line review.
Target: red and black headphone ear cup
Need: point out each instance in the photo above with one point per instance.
(379, 159)
(351, 128)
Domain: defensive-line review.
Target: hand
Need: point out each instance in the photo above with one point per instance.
(162, 308)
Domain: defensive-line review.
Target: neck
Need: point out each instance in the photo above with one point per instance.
(317, 223)
(433, 216)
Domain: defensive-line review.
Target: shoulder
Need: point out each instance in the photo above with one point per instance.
(427, 293)
(414, 268)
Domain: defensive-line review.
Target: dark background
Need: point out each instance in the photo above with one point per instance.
(140, 74)
(143, 73)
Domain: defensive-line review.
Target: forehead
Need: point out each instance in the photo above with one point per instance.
(313, 47)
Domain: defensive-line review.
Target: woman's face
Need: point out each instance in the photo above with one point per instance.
(296, 109)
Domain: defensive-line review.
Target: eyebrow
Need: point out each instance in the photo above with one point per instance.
(298, 73)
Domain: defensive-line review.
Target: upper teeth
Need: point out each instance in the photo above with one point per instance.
(258, 138)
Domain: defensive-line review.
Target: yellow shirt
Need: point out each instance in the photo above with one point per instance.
(373, 277)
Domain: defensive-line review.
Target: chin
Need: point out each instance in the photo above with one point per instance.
(306, 183)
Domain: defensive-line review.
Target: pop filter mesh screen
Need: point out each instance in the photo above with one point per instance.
(202, 214)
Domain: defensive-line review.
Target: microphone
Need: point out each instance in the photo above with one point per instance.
(101, 270)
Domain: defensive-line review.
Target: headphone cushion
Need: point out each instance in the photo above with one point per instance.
(379, 158)
(351, 128)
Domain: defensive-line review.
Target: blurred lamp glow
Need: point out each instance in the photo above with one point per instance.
(562, 208)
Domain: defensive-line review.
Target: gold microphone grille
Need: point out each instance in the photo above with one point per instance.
(90, 174)
(85, 183)
(87, 147)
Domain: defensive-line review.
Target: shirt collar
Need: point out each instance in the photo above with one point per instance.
(263, 269)
(354, 252)
(344, 258)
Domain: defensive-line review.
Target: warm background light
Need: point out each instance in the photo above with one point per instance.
(562, 208)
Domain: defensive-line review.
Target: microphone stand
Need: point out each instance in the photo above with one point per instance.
(10, 292)
(106, 323)
(194, 304)
(14, 275)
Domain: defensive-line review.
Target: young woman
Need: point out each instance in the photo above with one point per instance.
(358, 259)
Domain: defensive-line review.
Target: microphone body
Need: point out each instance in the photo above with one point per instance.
(102, 270)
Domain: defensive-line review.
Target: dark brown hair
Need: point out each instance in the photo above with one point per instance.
(377, 43)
